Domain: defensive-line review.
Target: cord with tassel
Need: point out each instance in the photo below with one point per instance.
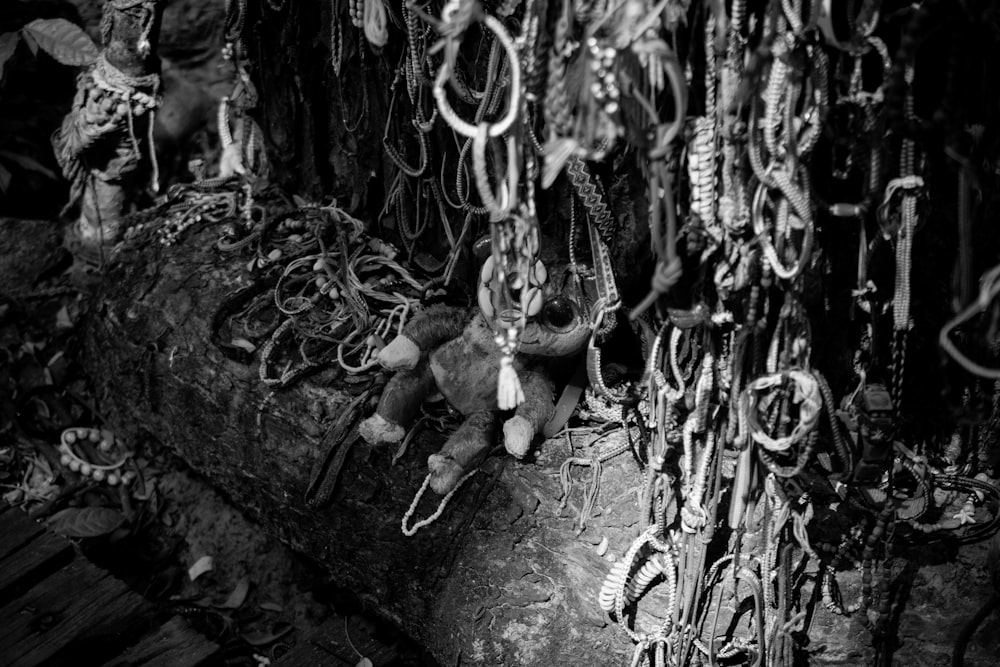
(509, 392)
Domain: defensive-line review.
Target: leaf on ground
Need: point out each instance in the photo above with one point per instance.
(63, 40)
(85, 521)
(63, 320)
(32, 43)
(244, 344)
(278, 630)
(200, 567)
(8, 44)
(238, 596)
(5, 177)
(272, 606)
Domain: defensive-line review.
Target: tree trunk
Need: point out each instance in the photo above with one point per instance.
(504, 577)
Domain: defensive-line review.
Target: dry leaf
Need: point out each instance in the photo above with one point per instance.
(201, 566)
(243, 343)
(238, 596)
(8, 44)
(64, 41)
(63, 320)
(279, 630)
(272, 606)
(85, 521)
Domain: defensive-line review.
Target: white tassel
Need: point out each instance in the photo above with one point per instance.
(509, 392)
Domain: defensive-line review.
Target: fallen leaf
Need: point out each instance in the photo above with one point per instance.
(238, 596)
(278, 631)
(200, 567)
(63, 320)
(8, 44)
(85, 521)
(243, 343)
(64, 41)
(272, 606)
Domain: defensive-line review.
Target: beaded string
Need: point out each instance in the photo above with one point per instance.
(410, 531)
(910, 185)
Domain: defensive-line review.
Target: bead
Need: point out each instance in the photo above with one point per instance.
(86, 469)
(113, 479)
(105, 445)
(74, 465)
(65, 459)
(98, 474)
(69, 437)
(94, 436)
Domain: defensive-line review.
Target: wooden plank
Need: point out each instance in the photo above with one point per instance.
(26, 567)
(17, 530)
(329, 646)
(310, 654)
(175, 644)
(77, 611)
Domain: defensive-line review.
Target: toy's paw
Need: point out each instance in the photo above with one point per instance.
(399, 354)
(445, 473)
(517, 435)
(376, 430)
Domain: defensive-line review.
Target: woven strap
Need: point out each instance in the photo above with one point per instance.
(591, 194)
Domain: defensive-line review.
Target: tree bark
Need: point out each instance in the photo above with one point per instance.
(503, 577)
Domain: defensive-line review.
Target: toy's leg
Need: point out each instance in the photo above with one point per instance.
(465, 449)
(530, 416)
(399, 405)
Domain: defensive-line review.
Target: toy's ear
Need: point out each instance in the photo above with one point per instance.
(482, 249)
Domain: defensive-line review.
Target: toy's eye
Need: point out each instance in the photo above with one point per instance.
(559, 314)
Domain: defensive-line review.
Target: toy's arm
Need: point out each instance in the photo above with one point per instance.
(531, 415)
(428, 329)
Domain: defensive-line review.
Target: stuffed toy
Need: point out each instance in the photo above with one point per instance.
(442, 350)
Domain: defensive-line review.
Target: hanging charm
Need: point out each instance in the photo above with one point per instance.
(512, 268)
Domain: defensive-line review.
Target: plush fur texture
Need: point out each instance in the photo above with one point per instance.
(442, 349)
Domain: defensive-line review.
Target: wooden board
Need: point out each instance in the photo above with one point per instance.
(56, 609)
(336, 643)
(42, 556)
(175, 644)
(18, 530)
(79, 610)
